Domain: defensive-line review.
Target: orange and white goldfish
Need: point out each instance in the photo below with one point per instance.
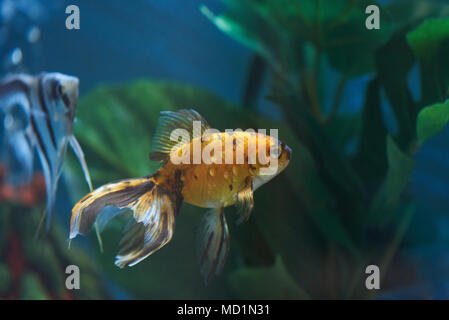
(216, 182)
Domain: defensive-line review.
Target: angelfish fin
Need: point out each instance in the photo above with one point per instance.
(245, 202)
(213, 244)
(169, 121)
(80, 155)
(50, 187)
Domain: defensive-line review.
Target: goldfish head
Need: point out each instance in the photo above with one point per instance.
(278, 157)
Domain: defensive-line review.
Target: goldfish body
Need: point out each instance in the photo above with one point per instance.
(227, 175)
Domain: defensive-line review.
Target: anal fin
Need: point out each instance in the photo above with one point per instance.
(213, 244)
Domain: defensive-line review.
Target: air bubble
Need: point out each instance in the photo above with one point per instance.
(34, 34)
(16, 56)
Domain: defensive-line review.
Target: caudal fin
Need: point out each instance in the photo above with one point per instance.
(213, 244)
(154, 210)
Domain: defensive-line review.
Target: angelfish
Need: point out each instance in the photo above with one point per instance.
(155, 200)
(38, 114)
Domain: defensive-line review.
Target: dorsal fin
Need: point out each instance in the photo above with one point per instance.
(170, 120)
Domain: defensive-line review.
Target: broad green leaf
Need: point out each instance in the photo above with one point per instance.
(394, 61)
(107, 132)
(430, 44)
(265, 283)
(400, 167)
(275, 29)
(350, 46)
(426, 39)
(435, 76)
(409, 13)
(432, 120)
(247, 24)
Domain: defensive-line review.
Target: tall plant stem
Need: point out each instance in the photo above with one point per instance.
(312, 87)
(337, 98)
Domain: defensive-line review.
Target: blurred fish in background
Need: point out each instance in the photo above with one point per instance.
(30, 269)
(38, 113)
(32, 116)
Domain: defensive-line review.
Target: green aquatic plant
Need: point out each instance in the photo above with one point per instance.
(34, 269)
(313, 35)
(333, 212)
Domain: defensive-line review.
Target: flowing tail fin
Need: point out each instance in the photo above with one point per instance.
(154, 210)
(214, 244)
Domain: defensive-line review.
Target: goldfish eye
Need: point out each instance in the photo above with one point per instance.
(275, 152)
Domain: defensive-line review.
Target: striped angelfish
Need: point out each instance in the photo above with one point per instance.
(38, 114)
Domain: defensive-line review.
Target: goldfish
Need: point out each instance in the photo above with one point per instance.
(38, 113)
(228, 175)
